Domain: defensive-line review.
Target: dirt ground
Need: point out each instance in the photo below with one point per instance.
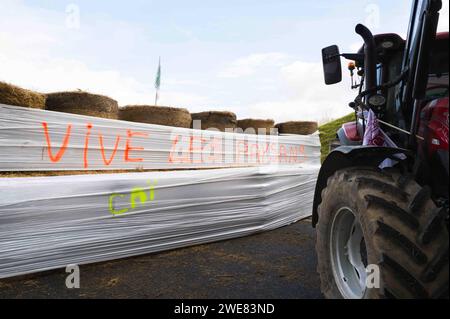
(276, 264)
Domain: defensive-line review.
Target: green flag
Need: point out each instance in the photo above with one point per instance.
(158, 81)
(158, 76)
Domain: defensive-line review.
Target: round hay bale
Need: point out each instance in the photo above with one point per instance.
(220, 120)
(14, 95)
(161, 115)
(256, 125)
(82, 103)
(297, 127)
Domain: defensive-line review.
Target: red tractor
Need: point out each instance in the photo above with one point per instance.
(381, 205)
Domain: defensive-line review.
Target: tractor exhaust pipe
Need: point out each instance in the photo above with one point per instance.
(370, 57)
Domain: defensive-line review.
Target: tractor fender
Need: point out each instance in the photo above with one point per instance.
(350, 156)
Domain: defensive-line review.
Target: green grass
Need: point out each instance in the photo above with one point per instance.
(328, 132)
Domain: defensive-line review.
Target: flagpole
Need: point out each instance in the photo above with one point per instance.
(158, 81)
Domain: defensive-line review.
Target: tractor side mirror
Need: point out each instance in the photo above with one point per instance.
(332, 69)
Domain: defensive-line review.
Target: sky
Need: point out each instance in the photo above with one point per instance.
(257, 58)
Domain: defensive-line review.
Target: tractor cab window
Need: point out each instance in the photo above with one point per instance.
(417, 44)
(438, 72)
(393, 70)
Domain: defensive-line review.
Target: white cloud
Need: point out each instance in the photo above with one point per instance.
(29, 57)
(59, 74)
(49, 74)
(187, 33)
(309, 99)
(354, 47)
(248, 65)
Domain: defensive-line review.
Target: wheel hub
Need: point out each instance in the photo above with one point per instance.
(348, 254)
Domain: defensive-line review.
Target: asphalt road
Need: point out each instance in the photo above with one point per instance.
(276, 264)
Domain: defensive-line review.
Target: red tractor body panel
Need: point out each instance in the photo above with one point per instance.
(434, 125)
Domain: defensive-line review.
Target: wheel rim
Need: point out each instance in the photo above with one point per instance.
(348, 254)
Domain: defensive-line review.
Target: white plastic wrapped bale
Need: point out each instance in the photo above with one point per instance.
(38, 140)
(50, 222)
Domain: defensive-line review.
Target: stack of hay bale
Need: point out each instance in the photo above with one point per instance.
(82, 103)
(220, 120)
(77, 102)
(14, 95)
(297, 127)
(159, 115)
(256, 126)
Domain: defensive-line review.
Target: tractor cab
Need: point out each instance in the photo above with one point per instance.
(390, 48)
(390, 52)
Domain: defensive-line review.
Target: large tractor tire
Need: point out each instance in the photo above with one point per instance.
(379, 217)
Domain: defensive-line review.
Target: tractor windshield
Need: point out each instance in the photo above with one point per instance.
(438, 71)
(416, 59)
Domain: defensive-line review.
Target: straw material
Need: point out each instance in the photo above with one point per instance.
(297, 127)
(160, 115)
(14, 95)
(220, 120)
(83, 103)
(254, 126)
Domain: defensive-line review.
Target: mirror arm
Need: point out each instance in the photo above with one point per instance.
(353, 56)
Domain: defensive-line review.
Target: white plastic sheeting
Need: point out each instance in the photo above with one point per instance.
(37, 140)
(50, 222)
